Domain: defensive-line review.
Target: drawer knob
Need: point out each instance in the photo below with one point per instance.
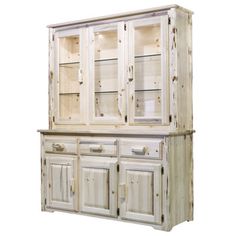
(95, 148)
(139, 149)
(58, 147)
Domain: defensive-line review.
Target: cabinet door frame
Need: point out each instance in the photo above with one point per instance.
(72, 188)
(120, 77)
(100, 163)
(164, 118)
(157, 191)
(81, 75)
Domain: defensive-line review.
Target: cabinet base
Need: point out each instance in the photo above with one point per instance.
(156, 227)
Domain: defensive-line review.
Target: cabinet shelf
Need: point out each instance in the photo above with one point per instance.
(146, 90)
(106, 92)
(106, 59)
(68, 93)
(148, 55)
(69, 63)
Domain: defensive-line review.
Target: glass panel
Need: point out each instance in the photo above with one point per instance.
(148, 73)
(147, 40)
(69, 106)
(68, 77)
(148, 103)
(106, 74)
(69, 50)
(69, 86)
(148, 83)
(106, 104)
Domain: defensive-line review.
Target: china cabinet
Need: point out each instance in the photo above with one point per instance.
(119, 142)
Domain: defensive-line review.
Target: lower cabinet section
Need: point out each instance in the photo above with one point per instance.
(61, 182)
(146, 180)
(98, 185)
(140, 191)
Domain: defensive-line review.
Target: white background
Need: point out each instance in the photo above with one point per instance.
(23, 110)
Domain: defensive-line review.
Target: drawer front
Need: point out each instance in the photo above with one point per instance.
(98, 147)
(144, 148)
(63, 146)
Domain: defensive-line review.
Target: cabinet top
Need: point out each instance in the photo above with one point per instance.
(120, 16)
(115, 132)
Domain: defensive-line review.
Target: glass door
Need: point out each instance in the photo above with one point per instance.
(106, 73)
(69, 84)
(147, 70)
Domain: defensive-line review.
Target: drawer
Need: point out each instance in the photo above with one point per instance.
(58, 145)
(98, 147)
(141, 148)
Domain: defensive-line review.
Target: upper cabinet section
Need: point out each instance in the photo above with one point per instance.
(147, 72)
(122, 72)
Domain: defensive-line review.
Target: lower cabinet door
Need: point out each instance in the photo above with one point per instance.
(140, 191)
(61, 182)
(98, 185)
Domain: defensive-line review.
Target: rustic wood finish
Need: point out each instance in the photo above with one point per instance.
(119, 143)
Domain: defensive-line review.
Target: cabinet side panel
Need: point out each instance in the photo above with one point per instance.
(51, 78)
(189, 124)
(189, 151)
(173, 69)
(43, 173)
(184, 69)
(180, 174)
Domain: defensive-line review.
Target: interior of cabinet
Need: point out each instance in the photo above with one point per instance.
(69, 106)
(69, 86)
(104, 103)
(147, 64)
(106, 73)
(148, 103)
(69, 50)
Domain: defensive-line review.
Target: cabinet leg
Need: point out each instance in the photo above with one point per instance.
(166, 228)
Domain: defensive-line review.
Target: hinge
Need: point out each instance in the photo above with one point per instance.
(118, 211)
(170, 118)
(51, 75)
(44, 162)
(169, 20)
(175, 78)
(125, 27)
(53, 119)
(162, 218)
(118, 167)
(53, 37)
(162, 170)
(126, 119)
(45, 201)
